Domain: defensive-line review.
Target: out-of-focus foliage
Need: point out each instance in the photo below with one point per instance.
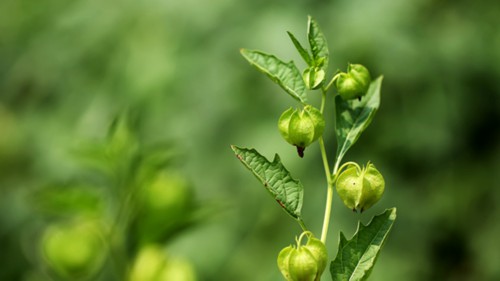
(67, 68)
(126, 197)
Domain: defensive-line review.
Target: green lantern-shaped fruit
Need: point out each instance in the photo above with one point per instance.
(313, 77)
(151, 264)
(165, 202)
(301, 128)
(73, 250)
(354, 83)
(359, 188)
(304, 262)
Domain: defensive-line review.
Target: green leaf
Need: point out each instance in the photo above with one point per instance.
(354, 116)
(302, 51)
(284, 74)
(287, 191)
(317, 41)
(356, 257)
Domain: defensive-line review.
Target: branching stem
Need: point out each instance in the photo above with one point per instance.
(330, 177)
(328, 207)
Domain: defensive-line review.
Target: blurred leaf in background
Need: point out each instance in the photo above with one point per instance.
(67, 68)
(121, 202)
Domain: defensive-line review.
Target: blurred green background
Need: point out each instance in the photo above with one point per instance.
(67, 68)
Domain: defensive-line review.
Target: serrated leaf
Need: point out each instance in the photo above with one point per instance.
(302, 51)
(284, 74)
(317, 41)
(287, 191)
(356, 257)
(354, 116)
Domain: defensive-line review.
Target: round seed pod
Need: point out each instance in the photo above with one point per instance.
(313, 77)
(301, 128)
(359, 188)
(73, 250)
(353, 84)
(303, 262)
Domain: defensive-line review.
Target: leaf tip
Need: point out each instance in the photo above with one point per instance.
(237, 151)
(276, 158)
(361, 226)
(342, 240)
(245, 53)
(234, 148)
(393, 212)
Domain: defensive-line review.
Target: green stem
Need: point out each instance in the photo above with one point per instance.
(328, 209)
(302, 225)
(330, 177)
(118, 230)
(326, 219)
(329, 193)
(331, 82)
(336, 169)
(323, 98)
(329, 197)
(325, 160)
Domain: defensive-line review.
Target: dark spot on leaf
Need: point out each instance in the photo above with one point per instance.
(281, 203)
